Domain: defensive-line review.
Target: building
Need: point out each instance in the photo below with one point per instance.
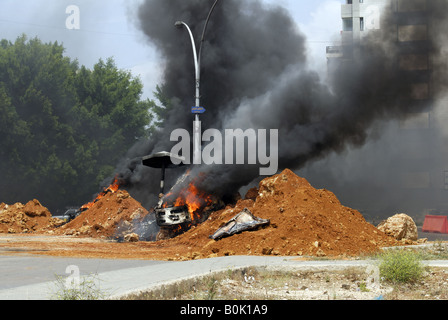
(423, 176)
(360, 17)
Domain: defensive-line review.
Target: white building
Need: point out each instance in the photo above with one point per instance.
(359, 17)
(424, 174)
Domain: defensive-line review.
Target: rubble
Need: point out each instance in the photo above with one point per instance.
(244, 221)
(115, 215)
(304, 221)
(132, 237)
(26, 218)
(401, 226)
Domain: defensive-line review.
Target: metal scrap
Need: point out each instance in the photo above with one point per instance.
(244, 221)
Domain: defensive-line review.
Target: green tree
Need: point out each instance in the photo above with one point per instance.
(63, 127)
(160, 109)
(109, 117)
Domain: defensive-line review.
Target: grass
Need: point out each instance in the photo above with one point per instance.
(394, 268)
(401, 266)
(201, 288)
(88, 288)
(438, 251)
(250, 284)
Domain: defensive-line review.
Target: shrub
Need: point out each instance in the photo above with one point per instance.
(87, 289)
(401, 266)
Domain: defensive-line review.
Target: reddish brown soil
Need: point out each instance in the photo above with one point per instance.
(114, 213)
(304, 222)
(25, 218)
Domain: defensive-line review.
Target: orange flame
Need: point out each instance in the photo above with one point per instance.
(193, 199)
(114, 187)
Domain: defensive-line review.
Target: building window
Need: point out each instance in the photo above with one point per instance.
(412, 5)
(413, 33)
(347, 24)
(361, 23)
(413, 62)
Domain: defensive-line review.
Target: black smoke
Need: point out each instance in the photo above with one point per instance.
(256, 75)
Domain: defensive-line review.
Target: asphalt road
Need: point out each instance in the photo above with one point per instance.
(432, 236)
(18, 271)
(33, 278)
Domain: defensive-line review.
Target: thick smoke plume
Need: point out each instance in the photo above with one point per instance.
(255, 75)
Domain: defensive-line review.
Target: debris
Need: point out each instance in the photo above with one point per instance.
(26, 218)
(303, 221)
(311, 222)
(244, 221)
(131, 237)
(401, 226)
(115, 215)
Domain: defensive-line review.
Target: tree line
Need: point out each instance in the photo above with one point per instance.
(64, 127)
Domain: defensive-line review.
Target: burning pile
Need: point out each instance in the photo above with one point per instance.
(114, 214)
(111, 189)
(191, 198)
(303, 221)
(186, 198)
(26, 218)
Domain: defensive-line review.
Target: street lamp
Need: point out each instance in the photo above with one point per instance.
(197, 62)
(197, 159)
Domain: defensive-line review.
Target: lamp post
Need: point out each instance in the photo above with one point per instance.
(197, 62)
(197, 158)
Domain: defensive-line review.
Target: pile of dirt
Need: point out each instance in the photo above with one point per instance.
(115, 215)
(32, 217)
(304, 221)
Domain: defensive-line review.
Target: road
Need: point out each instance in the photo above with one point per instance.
(432, 236)
(33, 278)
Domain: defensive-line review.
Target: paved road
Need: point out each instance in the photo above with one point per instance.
(17, 271)
(33, 278)
(432, 236)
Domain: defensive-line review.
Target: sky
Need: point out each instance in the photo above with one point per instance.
(106, 29)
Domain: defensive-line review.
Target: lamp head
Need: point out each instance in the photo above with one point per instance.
(179, 24)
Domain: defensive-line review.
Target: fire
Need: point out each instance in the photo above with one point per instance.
(193, 199)
(114, 187)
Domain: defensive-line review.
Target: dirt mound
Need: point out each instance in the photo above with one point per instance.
(115, 215)
(26, 218)
(304, 221)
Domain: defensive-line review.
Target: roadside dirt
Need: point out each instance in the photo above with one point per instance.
(259, 284)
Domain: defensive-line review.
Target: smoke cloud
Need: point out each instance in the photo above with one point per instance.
(256, 75)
